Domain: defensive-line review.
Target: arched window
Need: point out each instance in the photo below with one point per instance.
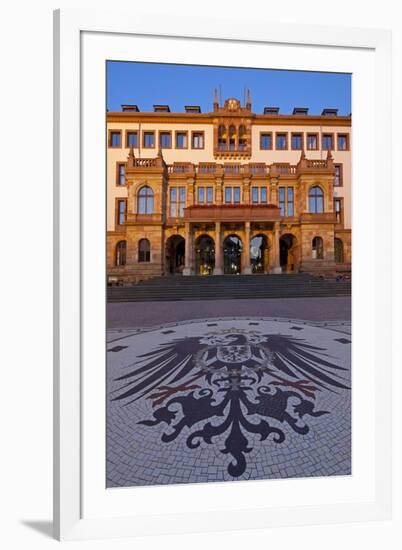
(232, 138)
(222, 138)
(242, 138)
(145, 200)
(318, 248)
(338, 251)
(121, 253)
(144, 250)
(316, 200)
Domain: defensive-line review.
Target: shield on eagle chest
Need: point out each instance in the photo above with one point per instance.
(234, 353)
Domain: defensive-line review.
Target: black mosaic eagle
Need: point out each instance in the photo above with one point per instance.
(175, 366)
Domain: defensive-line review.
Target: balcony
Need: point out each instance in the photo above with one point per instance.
(232, 213)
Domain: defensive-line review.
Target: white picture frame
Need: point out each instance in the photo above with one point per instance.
(83, 41)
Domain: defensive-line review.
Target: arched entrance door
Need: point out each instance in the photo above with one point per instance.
(259, 254)
(232, 248)
(287, 246)
(204, 255)
(175, 251)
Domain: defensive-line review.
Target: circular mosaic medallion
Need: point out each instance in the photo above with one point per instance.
(228, 399)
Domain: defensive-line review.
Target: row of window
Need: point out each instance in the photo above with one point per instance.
(299, 141)
(121, 177)
(198, 140)
(144, 251)
(205, 195)
(149, 139)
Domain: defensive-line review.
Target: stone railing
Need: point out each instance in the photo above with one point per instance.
(282, 169)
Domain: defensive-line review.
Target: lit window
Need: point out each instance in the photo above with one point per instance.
(149, 139)
(145, 200)
(281, 141)
(198, 140)
(316, 200)
(165, 140)
(296, 141)
(338, 210)
(181, 140)
(144, 250)
(312, 142)
(327, 142)
(121, 253)
(132, 139)
(115, 139)
(318, 248)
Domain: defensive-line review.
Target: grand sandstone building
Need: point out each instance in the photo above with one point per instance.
(227, 192)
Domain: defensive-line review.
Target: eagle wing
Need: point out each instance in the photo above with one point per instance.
(296, 358)
(169, 363)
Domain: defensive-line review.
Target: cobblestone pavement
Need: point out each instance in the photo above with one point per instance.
(231, 398)
(142, 314)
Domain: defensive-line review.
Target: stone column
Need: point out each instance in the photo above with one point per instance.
(246, 250)
(276, 267)
(188, 254)
(218, 270)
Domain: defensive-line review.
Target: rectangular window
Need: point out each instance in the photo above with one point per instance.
(121, 211)
(297, 141)
(181, 140)
(210, 195)
(281, 141)
(201, 195)
(165, 140)
(338, 176)
(236, 195)
(290, 202)
(228, 195)
(115, 138)
(121, 173)
(149, 140)
(338, 210)
(173, 202)
(132, 139)
(264, 196)
(286, 201)
(312, 142)
(266, 141)
(328, 142)
(197, 140)
(343, 142)
(182, 201)
(282, 203)
(254, 195)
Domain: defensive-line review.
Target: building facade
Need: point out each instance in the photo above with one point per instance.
(227, 192)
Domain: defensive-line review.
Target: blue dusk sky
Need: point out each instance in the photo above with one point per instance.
(146, 84)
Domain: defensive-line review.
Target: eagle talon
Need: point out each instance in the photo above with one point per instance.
(164, 392)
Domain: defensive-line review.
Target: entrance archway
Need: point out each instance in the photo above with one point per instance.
(204, 255)
(175, 254)
(287, 248)
(259, 254)
(232, 249)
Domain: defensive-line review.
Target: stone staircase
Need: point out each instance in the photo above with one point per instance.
(229, 287)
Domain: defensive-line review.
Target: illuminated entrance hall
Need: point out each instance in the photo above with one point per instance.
(232, 249)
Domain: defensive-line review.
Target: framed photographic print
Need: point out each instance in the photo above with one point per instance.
(215, 366)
